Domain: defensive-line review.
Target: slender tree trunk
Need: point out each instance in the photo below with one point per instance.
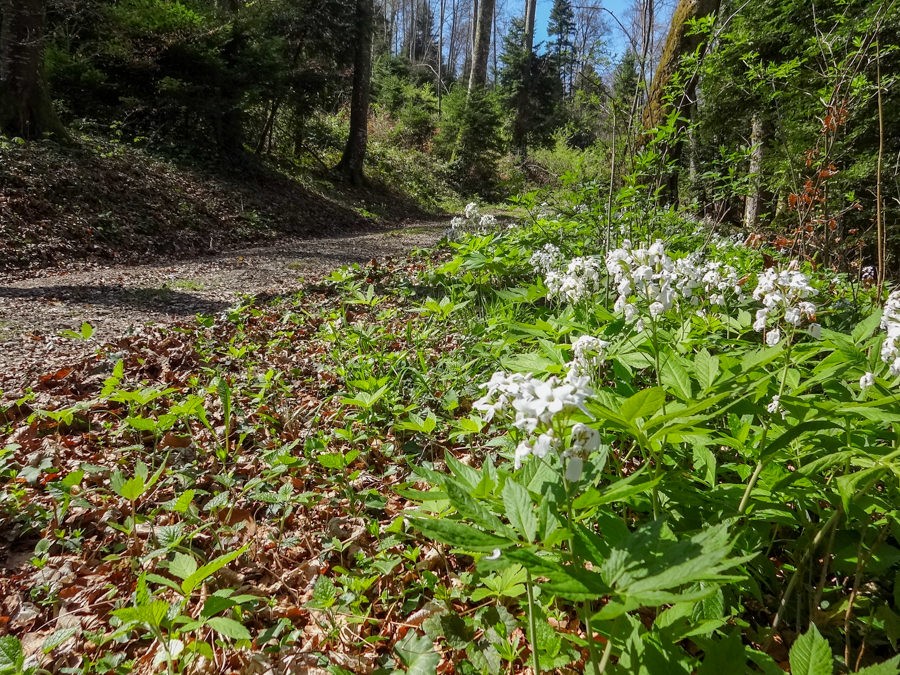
(451, 52)
(351, 164)
(754, 199)
(482, 44)
(521, 124)
(25, 108)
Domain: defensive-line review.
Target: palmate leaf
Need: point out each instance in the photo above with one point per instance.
(811, 654)
(649, 570)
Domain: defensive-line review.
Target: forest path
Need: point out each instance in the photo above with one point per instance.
(120, 300)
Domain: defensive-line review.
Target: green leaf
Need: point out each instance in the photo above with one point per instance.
(865, 328)
(151, 613)
(184, 501)
(460, 536)
(417, 654)
(811, 654)
(210, 568)
(706, 369)
(12, 657)
(520, 509)
(471, 509)
(643, 404)
(182, 565)
(57, 638)
(889, 667)
(617, 492)
(675, 376)
(229, 628)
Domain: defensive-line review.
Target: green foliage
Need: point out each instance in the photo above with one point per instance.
(469, 137)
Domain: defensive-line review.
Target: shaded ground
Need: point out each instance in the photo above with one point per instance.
(121, 299)
(98, 201)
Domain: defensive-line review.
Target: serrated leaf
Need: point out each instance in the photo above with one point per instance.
(229, 628)
(210, 568)
(459, 535)
(706, 369)
(151, 613)
(12, 657)
(889, 667)
(675, 376)
(520, 509)
(183, 502)
(58, 637)
(811, 654)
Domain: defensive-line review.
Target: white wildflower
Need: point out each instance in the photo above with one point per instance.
(866, 381)
(773, 337)
(588, 354)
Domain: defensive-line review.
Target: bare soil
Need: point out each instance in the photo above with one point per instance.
(121, 300)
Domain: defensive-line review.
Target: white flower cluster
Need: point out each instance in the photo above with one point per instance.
(546, 259)
(784, 297)
(580, 280)
(717, 279)
(472, 220)
(647, 274)
(890, 322)
(536, 404)
(589, 354)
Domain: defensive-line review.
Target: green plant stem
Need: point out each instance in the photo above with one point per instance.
(607, 651)
(589, 632)
(795, 577)
(532, 624)
(762, 446)
(585, 608)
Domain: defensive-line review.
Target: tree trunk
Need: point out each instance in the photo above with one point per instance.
(351, 164)
(482, 44)
(755, 198)
(25, 108)
(521, 123)
(678, 43)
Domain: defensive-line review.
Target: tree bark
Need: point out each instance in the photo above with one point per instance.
(754, 199)
(351, 164)
(678, 43)
(25, 108)
(521, 123)
(482, 44)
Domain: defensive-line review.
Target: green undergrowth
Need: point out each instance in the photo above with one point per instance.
(477, 460)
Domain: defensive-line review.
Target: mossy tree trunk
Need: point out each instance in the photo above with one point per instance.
(25, 108)
(679, 43)
(351, 164)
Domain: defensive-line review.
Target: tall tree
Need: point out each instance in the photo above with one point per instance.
(25, 108)
(561, 28)
(521, 122)
(481, 46)
(680, 41)
(351, 164)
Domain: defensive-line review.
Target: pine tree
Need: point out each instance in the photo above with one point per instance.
(561, 29)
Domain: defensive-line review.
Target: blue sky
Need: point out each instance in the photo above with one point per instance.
(616, 38)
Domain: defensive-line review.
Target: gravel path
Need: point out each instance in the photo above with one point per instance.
(120, 300)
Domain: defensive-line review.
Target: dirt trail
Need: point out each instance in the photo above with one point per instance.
(120, 300)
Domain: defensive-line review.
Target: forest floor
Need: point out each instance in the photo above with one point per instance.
(107, 234)
(121, 300)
